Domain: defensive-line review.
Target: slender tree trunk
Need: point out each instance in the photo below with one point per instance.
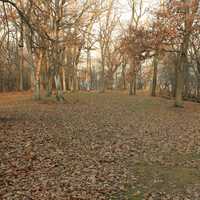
(32, 79)
(123, 77)
(37, 78)
(88, 75)
(73, 79)
(64, 80)
(37, 89)
(186, 81)
(48, 78)
(21, 64)
(71, 83)
(74, 83)
(131, 87)
(59, 92)
(155, 72)
(175, 81)
(49, 87)
(21, 74)
(179, 87)
(102, 79)
(135, 83)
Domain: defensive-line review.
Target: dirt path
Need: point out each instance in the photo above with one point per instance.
(98, 146)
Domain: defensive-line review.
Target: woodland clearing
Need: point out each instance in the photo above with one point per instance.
(98, 146)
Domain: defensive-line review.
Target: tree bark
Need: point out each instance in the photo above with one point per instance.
(102, 79)
(179, 87)
(123, 77)
(88, 72)
(37, 78)
(198, 88)
(183, 57)
(49, 87)
(21, 64)
(155, 73)
(131, 87)
(135, 83)
(64, 80)
(59, 92)
(21, 74)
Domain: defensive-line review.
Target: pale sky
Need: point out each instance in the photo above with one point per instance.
(126, 10)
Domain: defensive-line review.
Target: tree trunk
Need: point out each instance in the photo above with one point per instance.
(21, 74)
(64, 80)
(21, 81)
(131, 87)
(102, 80)
(49, 87)
(37, 78)
(123, 77)
(88, 72)
(73, 79)
(186, 82)
(59, 92)
(135, 83)
(179, 88)
(183, 59)
(198, 88)
(155, 72)
(74, 83)
(37, 89)
(175, 82)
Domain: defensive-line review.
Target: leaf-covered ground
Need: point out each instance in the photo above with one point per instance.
(98, 146)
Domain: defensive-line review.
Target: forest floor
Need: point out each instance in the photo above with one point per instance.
(98, 146)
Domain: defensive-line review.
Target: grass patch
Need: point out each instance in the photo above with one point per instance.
(134, 195)
(166, 179)
(142, 105)
(130, 194)
(187, 157)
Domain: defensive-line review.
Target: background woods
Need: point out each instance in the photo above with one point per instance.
(96, 99)
(56, 46)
